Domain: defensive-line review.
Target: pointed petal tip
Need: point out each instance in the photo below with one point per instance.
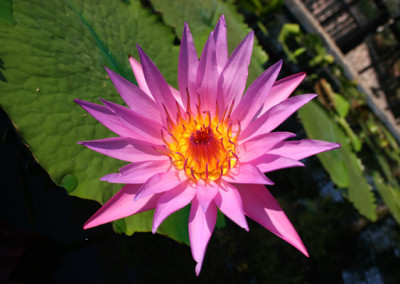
(104, 178)
(246, 227)
(87, 225)
(222, 20)
(198, 268)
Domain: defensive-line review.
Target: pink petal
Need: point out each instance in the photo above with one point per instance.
(176, 94)
(161, 182)
(248, 173)
(301, 149)
(229, 202)
(138, 172)
(260, 205)
(125, 149)
(157, 84)
(255, 96)
(221, 44)
(188, 63)
(205, 193)
(201, 226)
(106, 117)
(207, 76)
(138, 72)
(134, 97)
(281, 90)
(233, 78)
(255, 147)
(268, 163)
(122, 205)
(143, 128)
(275, 116)
(171, 201)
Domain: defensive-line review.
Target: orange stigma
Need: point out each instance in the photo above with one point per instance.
(204, 147)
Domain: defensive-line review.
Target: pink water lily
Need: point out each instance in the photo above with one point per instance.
(207, 144)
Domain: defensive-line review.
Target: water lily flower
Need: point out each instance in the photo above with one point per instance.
(207, 144)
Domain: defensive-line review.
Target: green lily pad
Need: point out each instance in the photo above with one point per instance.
(55, 53)
(6, 17)
(343, 166)
(389, 194)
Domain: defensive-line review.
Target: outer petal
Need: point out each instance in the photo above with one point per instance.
(205, 193)
(138, 72)
(134, 97)
(248, 173)
(207, 76)
(143, 128)
(268, 163)
(281, 90)
(172, 201)
(253, 148)
(157, 84)
(260, 205)
(188, 63)
(221, 44)
(138, 172)
(301, 149)
(125, 149)
(233, 78)
(275, 116)
(161, 182)
(201, 226)
(121, 206)
(106, 117)
(229, 202)
(255, 96)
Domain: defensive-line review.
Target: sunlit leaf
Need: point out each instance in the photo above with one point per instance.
(343, 166)
(55, 53)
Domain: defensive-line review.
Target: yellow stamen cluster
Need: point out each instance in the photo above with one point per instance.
(204, 147)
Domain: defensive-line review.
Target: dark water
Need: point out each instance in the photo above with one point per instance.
(42, 241)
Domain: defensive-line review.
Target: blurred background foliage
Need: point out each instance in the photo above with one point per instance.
(345, 204)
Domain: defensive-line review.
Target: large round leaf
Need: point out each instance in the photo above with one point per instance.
(55, 53)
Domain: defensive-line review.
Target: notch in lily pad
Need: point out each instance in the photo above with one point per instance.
(69, 182)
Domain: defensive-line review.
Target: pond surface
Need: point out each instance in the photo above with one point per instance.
(43, 241)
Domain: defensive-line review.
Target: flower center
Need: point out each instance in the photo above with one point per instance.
(204, 147)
